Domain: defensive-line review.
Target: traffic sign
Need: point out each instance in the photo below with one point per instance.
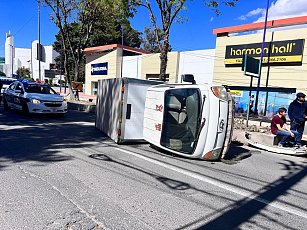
(250, 66)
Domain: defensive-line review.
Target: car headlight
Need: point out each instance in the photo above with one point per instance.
(35, 101)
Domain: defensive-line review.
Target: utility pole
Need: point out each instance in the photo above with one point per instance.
(61, 67)
(261, 57)
(39, 52)
(32, 60)
(122, 61)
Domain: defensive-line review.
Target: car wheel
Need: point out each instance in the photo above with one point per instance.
(25, 108)
(5, 105)
(60, 115)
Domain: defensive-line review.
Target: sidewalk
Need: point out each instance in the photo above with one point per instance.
(82, 96)
(86, 102)
(263, 121)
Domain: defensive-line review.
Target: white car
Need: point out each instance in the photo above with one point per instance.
(31, 97)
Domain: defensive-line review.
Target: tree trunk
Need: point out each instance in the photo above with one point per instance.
(163, 59)
(68, 79)
(77, 67)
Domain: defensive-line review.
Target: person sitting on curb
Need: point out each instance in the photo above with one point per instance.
(280, 128)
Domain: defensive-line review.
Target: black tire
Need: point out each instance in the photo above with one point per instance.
(5, 105)
(25, 108)
(60, 115)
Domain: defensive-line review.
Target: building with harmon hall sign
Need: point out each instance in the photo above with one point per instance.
(284, 70)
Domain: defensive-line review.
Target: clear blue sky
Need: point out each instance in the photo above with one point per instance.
(20, 17)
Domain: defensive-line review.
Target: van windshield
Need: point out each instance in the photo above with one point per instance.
(41, 89)
(181, 119)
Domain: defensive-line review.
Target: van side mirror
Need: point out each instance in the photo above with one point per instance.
(188, 78)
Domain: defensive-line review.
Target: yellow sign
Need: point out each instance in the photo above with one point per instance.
(290, 51)
(77, 85)
(236, 93)
(279, 59)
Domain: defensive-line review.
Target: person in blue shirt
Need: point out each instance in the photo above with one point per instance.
(297, 113)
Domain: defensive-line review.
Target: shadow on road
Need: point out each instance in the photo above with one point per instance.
(40, 138)
(172, 184)
(245, 209)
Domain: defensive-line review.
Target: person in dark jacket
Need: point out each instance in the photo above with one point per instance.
(297, 113)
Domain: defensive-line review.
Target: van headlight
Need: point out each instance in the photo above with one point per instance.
(35, 101)
(220, 92)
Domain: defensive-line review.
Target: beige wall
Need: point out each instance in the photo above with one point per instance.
(113, 59)
(279, 76)
(151, 65)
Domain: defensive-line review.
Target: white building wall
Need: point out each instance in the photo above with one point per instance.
(9, 48)
(200, 63)
(23, 57)
(132, 66)
(9, 54)
(50, 54)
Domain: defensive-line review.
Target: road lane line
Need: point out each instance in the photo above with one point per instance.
(221, 185)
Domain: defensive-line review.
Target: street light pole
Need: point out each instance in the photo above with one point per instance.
(261, 57)
(39, 42)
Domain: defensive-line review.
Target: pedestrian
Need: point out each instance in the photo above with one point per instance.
(251, 104)
(280, 128)
(297, 114)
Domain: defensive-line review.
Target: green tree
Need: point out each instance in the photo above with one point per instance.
(77, 20)
(150, 42)
(106, 30)
(24, 72)
(169, 12)
(64, 14)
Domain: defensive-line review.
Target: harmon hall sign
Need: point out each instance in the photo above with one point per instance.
(290, 51)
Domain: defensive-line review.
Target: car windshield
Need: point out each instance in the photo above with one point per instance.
(42, 89)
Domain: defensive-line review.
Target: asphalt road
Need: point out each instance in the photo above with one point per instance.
(62, 173)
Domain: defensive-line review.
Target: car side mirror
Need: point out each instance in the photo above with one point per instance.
(18, 91)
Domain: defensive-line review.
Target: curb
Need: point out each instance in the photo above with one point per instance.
(81, 107)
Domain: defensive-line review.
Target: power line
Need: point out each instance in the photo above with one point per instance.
(24, 25)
